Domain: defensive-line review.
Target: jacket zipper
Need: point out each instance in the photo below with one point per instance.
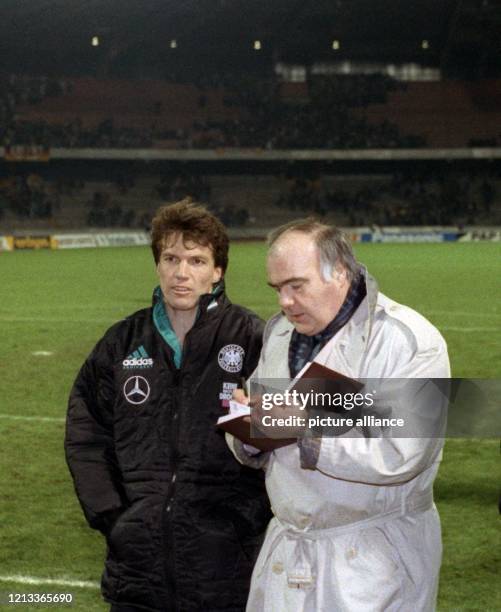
(167, 513)
(169, 540)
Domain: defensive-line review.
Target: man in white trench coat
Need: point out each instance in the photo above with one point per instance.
(355, 528)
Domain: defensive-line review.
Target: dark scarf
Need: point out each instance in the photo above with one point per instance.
(303, 349)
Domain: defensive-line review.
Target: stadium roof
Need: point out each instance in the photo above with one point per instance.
(54, 36)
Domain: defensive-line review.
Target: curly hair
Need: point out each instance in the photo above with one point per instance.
(196, 224)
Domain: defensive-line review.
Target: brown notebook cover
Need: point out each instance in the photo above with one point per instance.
(240, 426)
(318, 371)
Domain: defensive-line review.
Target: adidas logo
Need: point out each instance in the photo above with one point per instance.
(138, 359)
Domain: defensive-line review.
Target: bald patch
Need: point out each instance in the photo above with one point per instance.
(293, 238)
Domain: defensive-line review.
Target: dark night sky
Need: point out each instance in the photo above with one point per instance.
(53, 36)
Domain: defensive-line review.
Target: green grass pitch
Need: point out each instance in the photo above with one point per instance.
(62, 301)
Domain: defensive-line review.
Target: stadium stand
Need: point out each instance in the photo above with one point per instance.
(445, 113)
(362, 111)
(128, 200)
(229, 110)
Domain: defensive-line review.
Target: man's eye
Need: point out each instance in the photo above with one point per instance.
(296, 286)
(198, 262)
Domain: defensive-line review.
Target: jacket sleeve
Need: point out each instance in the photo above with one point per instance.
(255, 329)
(89, 441)
(386, 461)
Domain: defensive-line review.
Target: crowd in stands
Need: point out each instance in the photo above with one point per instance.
(322, 122)
(421, 198)
(434, 198)
(304, 128)
(29, 197)
(493, 141)
(257, 112)
(265, 119)
(21, 90)
(104, 212)
(353, 91)
(16, 90)
(231, 215)
(425, 197)
(73, 135)
(175, 188)
(33, 197)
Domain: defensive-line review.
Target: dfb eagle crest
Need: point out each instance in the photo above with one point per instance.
(231, 358)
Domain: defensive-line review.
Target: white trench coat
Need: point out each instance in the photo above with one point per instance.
(354, 528)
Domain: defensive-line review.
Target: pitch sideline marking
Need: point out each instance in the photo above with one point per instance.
(462, 313)
(468, 329)
(19, 417)
(13, 319)
(21, 579)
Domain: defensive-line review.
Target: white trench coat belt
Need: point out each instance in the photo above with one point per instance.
(299, 567)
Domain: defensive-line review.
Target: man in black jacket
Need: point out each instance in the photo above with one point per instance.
(182, 519)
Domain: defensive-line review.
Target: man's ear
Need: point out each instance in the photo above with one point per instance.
(218, 275)
(340, 275)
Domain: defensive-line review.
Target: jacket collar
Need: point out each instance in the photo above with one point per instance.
(353, 338)
(208, 302)
(364, 314)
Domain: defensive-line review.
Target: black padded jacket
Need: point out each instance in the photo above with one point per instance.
(182, 518)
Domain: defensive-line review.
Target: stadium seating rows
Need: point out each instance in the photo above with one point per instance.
(325, 113)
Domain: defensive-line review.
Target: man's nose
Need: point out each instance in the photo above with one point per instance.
(182, 269)
(285, 298)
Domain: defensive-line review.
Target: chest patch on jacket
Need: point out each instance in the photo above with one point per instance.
(136, 390)
(227, 393)
(231, 358)
(137, 359)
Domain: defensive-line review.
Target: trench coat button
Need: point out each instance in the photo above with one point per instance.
(351, 553)
(304, 522)
(277, 567)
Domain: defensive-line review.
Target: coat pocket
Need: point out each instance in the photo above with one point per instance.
(371, 573)
(130, 539)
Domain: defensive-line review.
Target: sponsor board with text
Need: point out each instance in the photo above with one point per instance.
(27, 153)
(32, 242)
(6, 243)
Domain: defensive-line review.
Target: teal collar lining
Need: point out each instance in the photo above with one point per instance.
(164, 327)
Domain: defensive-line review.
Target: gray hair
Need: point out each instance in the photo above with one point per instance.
(333, 245)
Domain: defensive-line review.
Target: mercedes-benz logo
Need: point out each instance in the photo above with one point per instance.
(136, 390)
